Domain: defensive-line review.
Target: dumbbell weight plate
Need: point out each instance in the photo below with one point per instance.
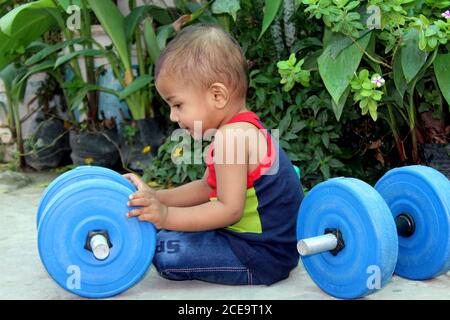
(367, 261)
(78, 174)
(94, 204)
(424, 194)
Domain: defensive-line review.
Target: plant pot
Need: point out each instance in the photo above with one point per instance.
(150, 133)
(437, 156)
(51, 144)
(94, 148)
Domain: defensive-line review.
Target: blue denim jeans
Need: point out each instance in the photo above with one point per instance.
(204, 256)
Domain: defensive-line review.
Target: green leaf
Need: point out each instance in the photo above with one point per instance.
(151, 42)
(364, 103)
(139, 13)
(292, 59)
(442, 71)
(270, 11)
(298, 126)
(22, 20)
(367, 85)
(7, 46)
(85, 53)
(399, 77)
(80, 95)
(413, 58)
(136, 85)
(366, 93)
(339, 107)
(163, 33)
(335, 163)
(283, 65)
(38, 68)
(133, 19)
(325, 169)
(363, 74)
(8, 74)
(21, 26)
(48, 50)
(372, 105)
(226, 6)
(262, 78)
(284, 123)
(66, 3)
(325, 139)
(337, 73)
(352, 5)
(289, 136)
(113, 23)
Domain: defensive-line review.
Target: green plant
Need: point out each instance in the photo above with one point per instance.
(14, 92)
(129, 133)
(291, 72)
(365, 90)
(414, 50)
(124, 31)
(22, 25)
(19, 27)
(339, 15)
(164, 172)
(43, 57)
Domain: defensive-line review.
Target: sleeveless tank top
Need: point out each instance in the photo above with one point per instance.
(264, 239)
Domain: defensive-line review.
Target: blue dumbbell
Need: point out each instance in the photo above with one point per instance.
(85, 241)
(353, 237)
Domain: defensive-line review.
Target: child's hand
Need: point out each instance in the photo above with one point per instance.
(152, 210)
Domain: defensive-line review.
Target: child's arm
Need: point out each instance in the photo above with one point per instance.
(190, 194)
(187, 195)
(228, 209)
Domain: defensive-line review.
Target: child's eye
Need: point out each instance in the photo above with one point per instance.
(177, 106)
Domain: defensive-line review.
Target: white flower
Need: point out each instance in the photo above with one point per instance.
(378, 80)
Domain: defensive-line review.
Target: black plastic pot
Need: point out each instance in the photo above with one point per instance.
(94, 148)
(151, 133)
(437, 156)
(52, 145)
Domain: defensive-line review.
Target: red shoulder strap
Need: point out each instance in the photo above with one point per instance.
(252, 118)
(247, 116)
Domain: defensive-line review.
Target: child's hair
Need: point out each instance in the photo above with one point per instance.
(204, 54)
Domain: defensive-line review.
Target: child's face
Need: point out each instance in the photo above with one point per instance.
(188, 104)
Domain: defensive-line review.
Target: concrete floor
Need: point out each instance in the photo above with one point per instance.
(22, 276)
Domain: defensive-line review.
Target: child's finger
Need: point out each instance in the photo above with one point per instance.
(141, 202)
(130, 177)
(139, 195)
(136, 181)
(135, 213)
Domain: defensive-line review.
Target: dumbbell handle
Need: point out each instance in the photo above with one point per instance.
(99, 246)
(333, 241)
(317, 244)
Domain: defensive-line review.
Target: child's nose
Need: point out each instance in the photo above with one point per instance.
(174, 116)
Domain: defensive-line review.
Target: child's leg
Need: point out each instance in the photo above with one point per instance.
(204, 256)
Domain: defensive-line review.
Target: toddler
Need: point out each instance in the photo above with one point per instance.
(236, 225)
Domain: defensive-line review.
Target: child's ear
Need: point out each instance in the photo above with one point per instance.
(219, 94)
